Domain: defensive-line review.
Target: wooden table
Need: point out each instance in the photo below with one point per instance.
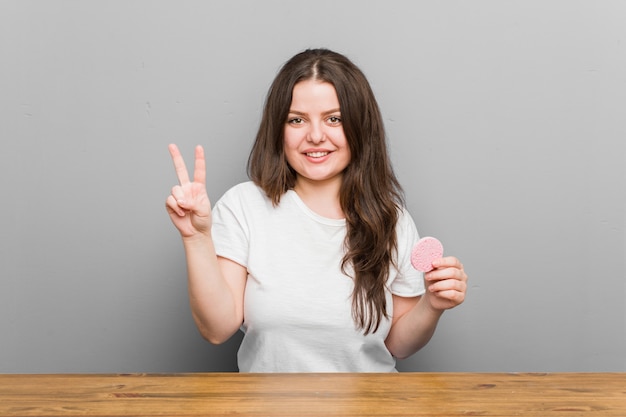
(403, 394)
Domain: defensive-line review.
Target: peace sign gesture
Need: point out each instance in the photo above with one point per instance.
(188, 205)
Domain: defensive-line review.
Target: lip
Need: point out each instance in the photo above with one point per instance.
(309, 150)
(317, 159)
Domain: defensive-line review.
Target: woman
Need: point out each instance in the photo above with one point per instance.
(311, 259)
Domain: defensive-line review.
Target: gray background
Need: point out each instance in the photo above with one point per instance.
(506, 124)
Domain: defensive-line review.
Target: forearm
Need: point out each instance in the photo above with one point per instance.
(212, 300)
(413, 330)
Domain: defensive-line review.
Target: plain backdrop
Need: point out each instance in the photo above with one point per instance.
(506, 125)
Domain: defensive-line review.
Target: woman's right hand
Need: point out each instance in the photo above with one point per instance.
(188, 205)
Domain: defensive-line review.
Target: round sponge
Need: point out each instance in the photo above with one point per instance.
(425, 251)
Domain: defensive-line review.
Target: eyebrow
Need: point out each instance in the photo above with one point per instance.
(337, 110)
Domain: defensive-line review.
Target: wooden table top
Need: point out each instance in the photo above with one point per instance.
(401, 394)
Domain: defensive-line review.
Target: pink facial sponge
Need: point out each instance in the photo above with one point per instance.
(425, 251)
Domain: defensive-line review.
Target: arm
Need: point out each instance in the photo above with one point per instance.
(415, 319)
(216, 285)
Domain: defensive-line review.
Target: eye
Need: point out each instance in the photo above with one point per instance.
(295, 121)
(334, 120)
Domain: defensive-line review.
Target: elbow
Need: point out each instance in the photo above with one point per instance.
(216, 333)
(403, 356)
(213, 337)
(397, 354)
(215, 340)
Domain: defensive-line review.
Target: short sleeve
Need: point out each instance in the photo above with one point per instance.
(408, 282)
(230, 229)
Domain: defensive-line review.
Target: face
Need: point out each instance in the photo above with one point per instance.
(315, 144)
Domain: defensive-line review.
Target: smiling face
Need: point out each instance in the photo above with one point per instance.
(315, 143)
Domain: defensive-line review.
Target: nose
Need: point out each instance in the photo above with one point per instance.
(316, 133)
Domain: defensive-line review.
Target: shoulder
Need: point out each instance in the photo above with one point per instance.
(406, 230)
(244, 188)
(246, 200)
(243, 192)
(405, 221)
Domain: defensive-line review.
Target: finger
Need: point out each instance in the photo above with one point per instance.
(448, 285)
(447, 262)
(444, 273)
(172, 206)
(453, 296)
(179, 195)
(179, 164)
(199, 174)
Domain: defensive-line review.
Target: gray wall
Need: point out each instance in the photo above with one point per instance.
(507, 128)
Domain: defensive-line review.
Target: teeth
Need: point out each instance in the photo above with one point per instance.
(316, 154)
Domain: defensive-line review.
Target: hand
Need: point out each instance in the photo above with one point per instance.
(188, 205)
(446, 285)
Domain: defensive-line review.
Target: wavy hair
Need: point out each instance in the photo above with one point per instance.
(370, 194)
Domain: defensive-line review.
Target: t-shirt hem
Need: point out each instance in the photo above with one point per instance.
(408, 295)
(235, 259)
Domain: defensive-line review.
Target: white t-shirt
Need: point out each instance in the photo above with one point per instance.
(297, 302)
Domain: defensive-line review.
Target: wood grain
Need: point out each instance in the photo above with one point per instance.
(403, 394)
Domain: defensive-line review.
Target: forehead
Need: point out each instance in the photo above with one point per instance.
(314, 94)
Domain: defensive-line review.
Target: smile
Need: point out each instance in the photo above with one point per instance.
(316, 154)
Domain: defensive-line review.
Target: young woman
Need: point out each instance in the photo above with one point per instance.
(311, 259)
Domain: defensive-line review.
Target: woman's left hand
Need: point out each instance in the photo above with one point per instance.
(446, 284)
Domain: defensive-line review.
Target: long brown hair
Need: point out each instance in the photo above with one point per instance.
(370, 194)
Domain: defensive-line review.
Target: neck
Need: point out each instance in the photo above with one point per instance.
(321, 196)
